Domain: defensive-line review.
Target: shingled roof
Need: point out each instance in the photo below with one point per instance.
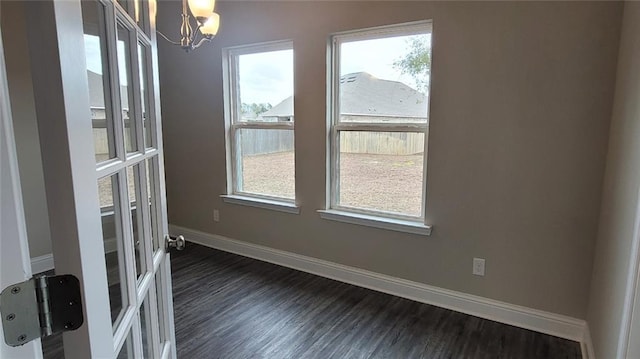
(363, 94)
(283, 109)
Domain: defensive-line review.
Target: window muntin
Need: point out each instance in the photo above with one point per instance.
(260, 121)
(379, 121)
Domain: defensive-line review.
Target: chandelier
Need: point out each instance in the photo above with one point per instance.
(207, 21)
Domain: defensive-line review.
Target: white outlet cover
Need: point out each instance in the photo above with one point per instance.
(478, 266)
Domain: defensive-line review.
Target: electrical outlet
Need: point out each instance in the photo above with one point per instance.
(478, 266)
(216, 215)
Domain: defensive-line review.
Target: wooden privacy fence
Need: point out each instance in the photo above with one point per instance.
(382, 143)
(260, 142)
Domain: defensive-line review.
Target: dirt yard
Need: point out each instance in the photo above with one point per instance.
(382, 182)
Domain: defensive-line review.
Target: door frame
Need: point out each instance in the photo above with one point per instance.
(15, 262)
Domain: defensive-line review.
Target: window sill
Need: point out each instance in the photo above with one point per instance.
(391, 224)
(262, 203)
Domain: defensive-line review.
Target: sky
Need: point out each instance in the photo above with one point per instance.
(94, 60)
(268, 77)
(376, 57)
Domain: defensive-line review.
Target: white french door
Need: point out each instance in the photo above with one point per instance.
(98, 109)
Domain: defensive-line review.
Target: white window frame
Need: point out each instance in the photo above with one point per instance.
(355, 215)
(233, 125)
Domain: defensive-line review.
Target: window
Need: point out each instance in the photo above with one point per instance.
(379, 122)
(260, 123)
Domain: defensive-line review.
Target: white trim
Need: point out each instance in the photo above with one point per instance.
(586, 345)
(391, 224)
(533, 319)
(42, 264)
(380, 32)
(382, 127)
(262, 203)
(263, 125)
(277, 45)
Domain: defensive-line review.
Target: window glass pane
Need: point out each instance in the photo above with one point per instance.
(133, 178)
(127, 351)
(382, 171)
(151, 168)
(265, 86)
(93, 17)
(137, 10)
(385, 80)
(124, 4)
(143, 52)
(267, 162)
(113, 244)
(126, 93)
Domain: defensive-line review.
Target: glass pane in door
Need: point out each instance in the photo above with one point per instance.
(147, 326)
(153, 194)
(126, 5)
(143, 53)
(110, 207)
(127, 351)
(96, 55)
(126, 89)
(162, 326)
(134, 189)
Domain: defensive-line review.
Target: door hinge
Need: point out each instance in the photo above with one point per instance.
(39, 307)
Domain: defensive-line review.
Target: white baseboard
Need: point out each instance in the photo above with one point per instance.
(45, 263)
(523, 317)
(110, 245)
(42, 264)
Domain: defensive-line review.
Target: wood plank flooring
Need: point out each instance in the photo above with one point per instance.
(232, 307)
(228, 306)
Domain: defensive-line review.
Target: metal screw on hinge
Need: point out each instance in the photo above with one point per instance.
(22, 338)
(11, 317)
(15, 290)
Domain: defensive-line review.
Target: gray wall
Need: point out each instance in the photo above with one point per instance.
(521, 106)
(25, 127)
(620, 195)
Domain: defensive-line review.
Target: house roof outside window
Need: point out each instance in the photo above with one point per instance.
(362, 94)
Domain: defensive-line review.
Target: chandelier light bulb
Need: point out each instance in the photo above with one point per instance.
(202, 9)
(211, 26)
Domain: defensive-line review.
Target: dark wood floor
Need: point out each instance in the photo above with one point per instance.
(228, 306)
